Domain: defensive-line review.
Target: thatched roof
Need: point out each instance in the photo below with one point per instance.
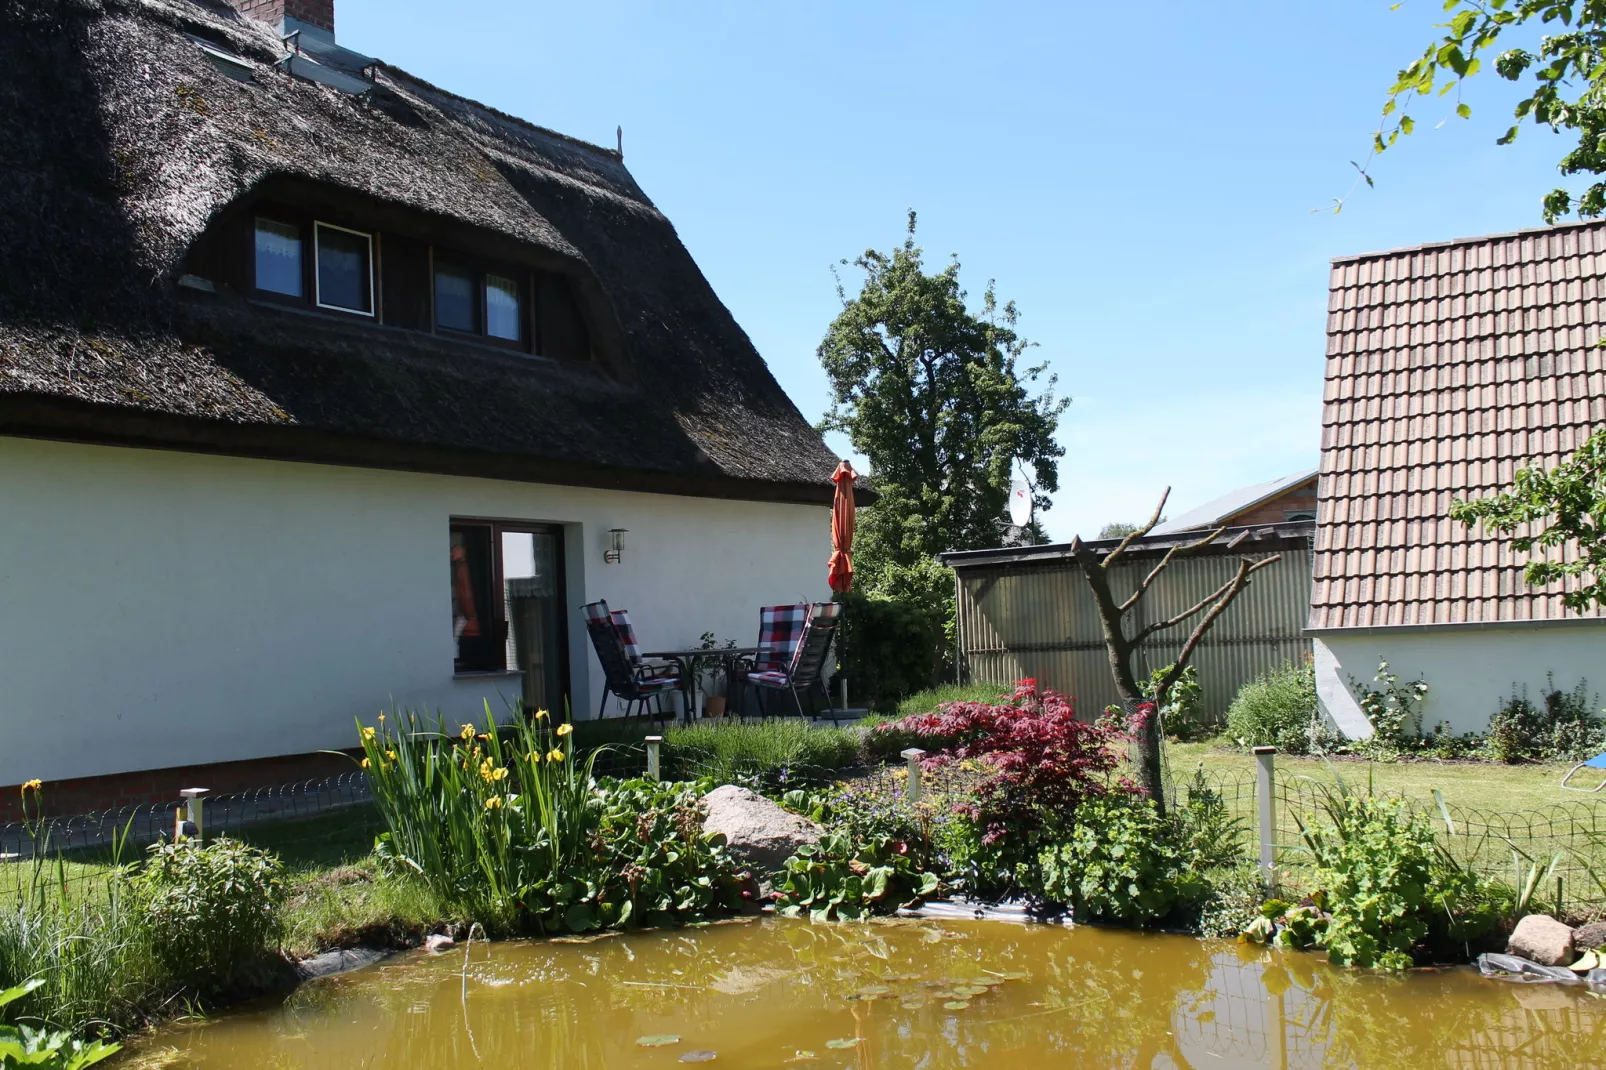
(120, 142)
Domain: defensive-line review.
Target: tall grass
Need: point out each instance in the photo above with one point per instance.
(732, 751)
(83, 935)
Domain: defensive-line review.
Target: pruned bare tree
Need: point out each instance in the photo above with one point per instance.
(1121, 646)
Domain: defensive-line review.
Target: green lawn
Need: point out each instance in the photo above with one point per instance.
(1479, 785)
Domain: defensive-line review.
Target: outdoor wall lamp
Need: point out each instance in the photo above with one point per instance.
(616, 546)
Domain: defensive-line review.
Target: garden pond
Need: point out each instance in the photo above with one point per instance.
(888, 994)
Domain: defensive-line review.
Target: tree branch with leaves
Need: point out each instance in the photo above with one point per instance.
(1122, 644)
(1564, 507)
(1564, 70)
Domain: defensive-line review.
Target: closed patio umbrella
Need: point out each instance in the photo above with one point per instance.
(841, 568)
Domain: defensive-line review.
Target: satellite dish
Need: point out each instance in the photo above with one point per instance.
(1020, 504)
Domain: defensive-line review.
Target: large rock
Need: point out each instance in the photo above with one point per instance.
(759, 832)
(1592, 935)
(1542, 939)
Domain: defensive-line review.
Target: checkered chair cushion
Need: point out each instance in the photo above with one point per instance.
(627, 635)
(654, 684)
(595, 611)
(808, 651)
(779, 629)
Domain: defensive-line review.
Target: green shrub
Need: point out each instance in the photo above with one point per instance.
(1121, 861)
(1276, 709)
(22, 1046)
(1564, 728)
(888, 647)
(774, 753)
(1386, 884)
(843, 880)
(213, 911)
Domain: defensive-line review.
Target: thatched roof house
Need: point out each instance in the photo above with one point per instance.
(138, 136)
(295, 351)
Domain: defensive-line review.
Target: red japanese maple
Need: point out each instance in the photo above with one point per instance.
(1039, 760)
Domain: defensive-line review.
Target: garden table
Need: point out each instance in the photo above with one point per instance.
(685, 663)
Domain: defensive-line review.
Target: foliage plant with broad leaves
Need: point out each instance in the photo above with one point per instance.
(1385, 888)
(1122, 861)
(45, 1048)
(846, 879)
(506, 825)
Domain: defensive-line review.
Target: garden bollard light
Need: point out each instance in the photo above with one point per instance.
(1265, 786)
(913, 756)
(653, 743)
(187, 818)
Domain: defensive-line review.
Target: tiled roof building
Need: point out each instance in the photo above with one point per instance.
(1450, 366)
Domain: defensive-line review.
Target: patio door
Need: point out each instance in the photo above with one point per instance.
(515, 572)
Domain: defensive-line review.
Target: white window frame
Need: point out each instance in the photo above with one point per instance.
(317, 274)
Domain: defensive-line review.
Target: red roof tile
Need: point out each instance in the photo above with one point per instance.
(1448, 367)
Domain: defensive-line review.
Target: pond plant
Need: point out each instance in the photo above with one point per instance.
(508, 825)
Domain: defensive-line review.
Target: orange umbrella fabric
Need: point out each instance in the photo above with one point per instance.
(840, 572)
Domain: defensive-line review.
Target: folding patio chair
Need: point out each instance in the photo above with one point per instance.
(1598, 762)
(628, 678)
(804, 669)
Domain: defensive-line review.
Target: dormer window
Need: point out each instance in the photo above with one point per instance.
(345, 269)
(293, 255)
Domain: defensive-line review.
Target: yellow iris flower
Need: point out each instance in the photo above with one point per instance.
(33, 785)
(554, 755)
(565, 729)
(541, 715)
(494, 802)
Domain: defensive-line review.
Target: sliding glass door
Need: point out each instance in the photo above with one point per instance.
(508, 606)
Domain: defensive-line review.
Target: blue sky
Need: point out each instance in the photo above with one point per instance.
(1140, 179)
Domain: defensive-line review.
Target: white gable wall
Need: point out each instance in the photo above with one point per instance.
(1470, 670)
(161, 609)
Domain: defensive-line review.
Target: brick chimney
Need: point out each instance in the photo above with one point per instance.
(288, 15)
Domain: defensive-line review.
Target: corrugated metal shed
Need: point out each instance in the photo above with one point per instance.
(1028, 612)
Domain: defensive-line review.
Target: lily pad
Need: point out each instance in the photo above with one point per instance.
(970, 990)
(658, 1040)
(956, 1005)
(871, 991)
(845, 1042)
(802, 1057)
(1589, 960)
(699, 1056)
(1007, 976)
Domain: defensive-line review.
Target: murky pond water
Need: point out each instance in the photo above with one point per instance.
(896, 994)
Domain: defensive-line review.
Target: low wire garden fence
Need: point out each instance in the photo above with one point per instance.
(1567, 841)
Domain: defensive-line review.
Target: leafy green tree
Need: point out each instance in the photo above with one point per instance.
(1564, 506)
(934, 395)
(1563, 71)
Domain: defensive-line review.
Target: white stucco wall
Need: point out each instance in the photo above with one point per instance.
(161, 608)
(1470, 671)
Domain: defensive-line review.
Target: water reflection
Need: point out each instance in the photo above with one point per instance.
(926, 995)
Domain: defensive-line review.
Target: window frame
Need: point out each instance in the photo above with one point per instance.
(479, 269)
(519, 278)
(497, 612)
(284, 219)
(317, 276)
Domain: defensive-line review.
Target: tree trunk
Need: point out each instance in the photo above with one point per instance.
(1146, 751)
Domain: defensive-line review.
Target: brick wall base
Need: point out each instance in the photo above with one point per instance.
(82, 795)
